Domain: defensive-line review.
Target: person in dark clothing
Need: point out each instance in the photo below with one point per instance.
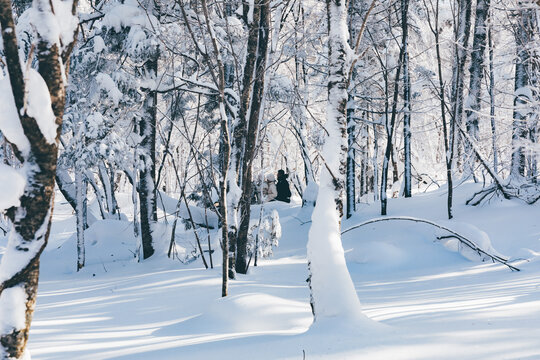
(283, 190)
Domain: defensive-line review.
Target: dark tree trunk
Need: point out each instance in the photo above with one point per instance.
(448, 148)
(390, 127)
(239, 131)
(252, 132)
(406, 99)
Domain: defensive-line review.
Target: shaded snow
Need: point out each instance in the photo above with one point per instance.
(436, 303)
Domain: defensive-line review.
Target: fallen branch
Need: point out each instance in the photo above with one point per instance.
(302, 222)
(507, 190)
(510, 191)
(462, 239)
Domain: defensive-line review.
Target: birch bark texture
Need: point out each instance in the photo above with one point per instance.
(332, 290)
(476, 71)
(406, 100)
(524, 32)
(38, 100)
(147, 176)
(461, 44)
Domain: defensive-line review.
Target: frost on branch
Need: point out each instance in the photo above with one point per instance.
(264, 235)
(54, 26)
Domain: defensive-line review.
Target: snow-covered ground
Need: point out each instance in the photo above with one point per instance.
(426, 302)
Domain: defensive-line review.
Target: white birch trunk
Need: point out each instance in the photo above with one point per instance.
(476, 71)
(80, 185)
(332, 290)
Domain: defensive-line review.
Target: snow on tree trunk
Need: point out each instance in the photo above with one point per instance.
(375, 162)
(492, 100)
(147, 186)
(351, 159)
(240, 134)
(34, 140)
(524, 31)
(461, 39)
(476, 71)
(80, 210)
(332, 290)
(108, 189)
(225, 147)
(233, 196)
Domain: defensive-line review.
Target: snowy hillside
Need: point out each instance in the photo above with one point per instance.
(425, 301)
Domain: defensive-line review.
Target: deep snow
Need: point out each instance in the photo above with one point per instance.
(426, 302)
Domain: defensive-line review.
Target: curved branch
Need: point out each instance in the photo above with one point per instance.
(461, 238)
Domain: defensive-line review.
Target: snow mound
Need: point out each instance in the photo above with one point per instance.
(255, 312)
(373, 252)
(110, 239)
(249, 313)
(106, 241)
(402, 244)
(472, 233)
(396, 246)
(200, 216)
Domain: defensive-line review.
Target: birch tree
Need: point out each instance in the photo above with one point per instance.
(476, 71)
(147, 177)
(32, 127)
(406, 99)
(525, 29)
(332, 290)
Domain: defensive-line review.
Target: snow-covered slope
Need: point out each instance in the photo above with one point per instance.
(429, 302)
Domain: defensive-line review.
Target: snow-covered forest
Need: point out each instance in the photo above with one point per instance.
(269, 179)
